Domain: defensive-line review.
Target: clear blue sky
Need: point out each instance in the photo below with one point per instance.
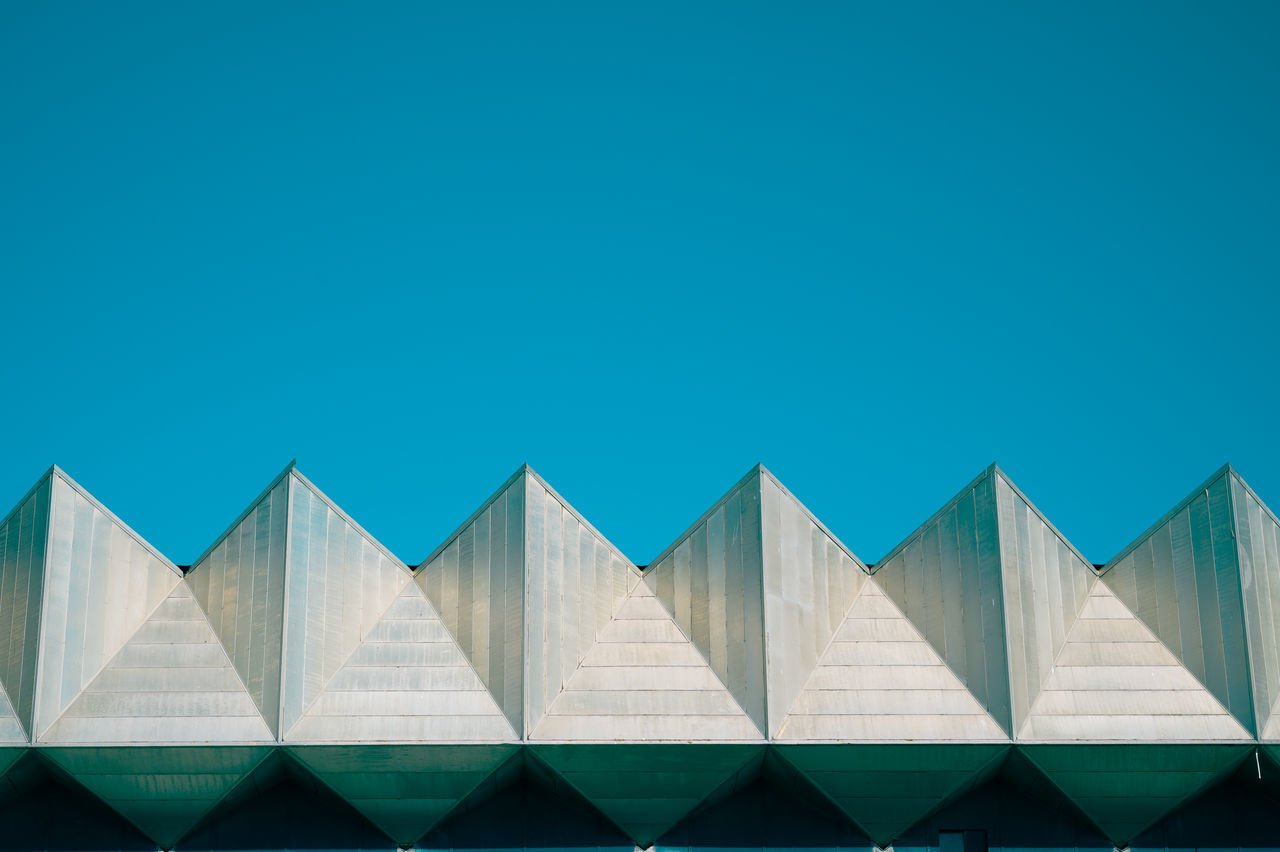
(874, 246)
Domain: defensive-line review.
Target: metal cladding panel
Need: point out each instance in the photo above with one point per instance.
(576, 581)
(1258, 539)
(339, 582)
(101, 583)
(962, 616)
(1045, 585)
(406, 682)
(405, 790)
(11, 730)
(239, 583)
(1182, 578)
(644, 681)
(810, 579)
(163, 791)
(172, 683)
(646, 789)
(728, 585)
(1124, 789)
(1113, 680)
(880, 681)
(475, 581)
(887, 788)
(22, 558)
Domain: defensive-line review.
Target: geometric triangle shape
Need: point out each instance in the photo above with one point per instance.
(1115, 681)
(45, 809)
(880, 681)
(947, 578)
(777, 809)
(476, 582)
(171, 683)
(239, 583)
(1045, 584)
(1124, 789)
(23, 539)
(339, 582)
(576, 582)
(1271, 733)
(163, 791)
(810, 579)
(101, 583)
(887, 788)
(526, 565)
(524, 805)
(281, 805)
(11, 731)
(1257, 533)
(644, 681)
(405, 790)
(712, 580)
(645, 789)
(406, 682)
(1182, 577)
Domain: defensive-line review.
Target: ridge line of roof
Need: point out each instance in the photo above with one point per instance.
(97, 504)
(724, 498)
(1045, 520)
(30, 491)
(946, 507)
(311, 486)
(253, 504)
(1165, 518)
(510, 480)
(581, 520)
(764, 471)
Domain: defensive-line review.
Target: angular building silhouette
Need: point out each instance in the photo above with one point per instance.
(984, 686)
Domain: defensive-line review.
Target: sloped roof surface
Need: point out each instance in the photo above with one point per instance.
(757, 639)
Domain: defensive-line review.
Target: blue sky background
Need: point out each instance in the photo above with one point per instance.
(875, 246)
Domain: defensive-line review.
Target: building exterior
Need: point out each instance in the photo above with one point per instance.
(757, 686)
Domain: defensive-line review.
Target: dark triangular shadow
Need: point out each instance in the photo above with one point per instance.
(773, 806)
(1018, 808)
(41, 808)
(525, 804)
(1238, 812)
(282, 806)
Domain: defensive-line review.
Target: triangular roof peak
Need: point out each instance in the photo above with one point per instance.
(761, 472)
(992, 470)
(525, 470)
